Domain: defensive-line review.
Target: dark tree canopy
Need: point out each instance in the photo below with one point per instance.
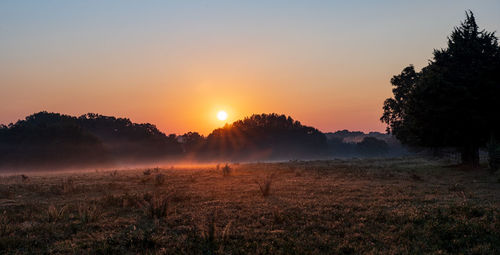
(266, 136)
(44, 139)
(371, 146)
(52, 139)
(192, 143)
(130, 141)
(454, 100)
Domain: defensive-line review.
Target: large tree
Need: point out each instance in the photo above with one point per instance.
(266, 136)
(455, 100)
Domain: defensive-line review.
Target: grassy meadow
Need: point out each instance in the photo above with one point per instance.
(370, 206)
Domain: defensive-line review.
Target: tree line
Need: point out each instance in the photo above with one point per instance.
(55, 140)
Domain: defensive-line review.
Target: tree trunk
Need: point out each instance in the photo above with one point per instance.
(470, 156)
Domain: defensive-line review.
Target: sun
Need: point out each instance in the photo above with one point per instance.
(222, 115)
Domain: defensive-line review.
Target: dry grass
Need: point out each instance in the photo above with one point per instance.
(388, 206)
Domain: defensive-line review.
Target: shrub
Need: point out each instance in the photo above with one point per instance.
(147, 172)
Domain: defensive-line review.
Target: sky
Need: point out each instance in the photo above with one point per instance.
(175, 64)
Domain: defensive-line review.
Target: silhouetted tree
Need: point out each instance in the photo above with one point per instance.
(130, 141)
(52, 139)
(453, 101)
(44, 139)
(371, 146)
(192, 142)
(266, 136)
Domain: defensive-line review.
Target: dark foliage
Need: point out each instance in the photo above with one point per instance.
(52, 139)
(265, 136)
(454, 100)
(192, 142)
(130, 141)
(44, 139)
(345, 143)
(371, 146)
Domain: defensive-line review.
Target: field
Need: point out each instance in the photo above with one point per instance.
(374, 206)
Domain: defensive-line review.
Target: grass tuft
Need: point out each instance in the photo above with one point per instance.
(55, 214)
(160, 179)
(155, 207)
(226, 170)
(88, 213)
(265, 186)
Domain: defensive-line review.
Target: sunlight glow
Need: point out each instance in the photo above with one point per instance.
(222, 115)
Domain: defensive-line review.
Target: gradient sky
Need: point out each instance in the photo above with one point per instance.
(176, 63)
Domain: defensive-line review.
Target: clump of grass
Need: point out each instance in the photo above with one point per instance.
(226, 231)
(89, 212)
(24, 178)
(160, 179)
(114, 173)
(415, 177)
(217, 167)
(156, 169)
(55, 214)
(226, 170)
(155, 207)
(129, 200)
(111, 200)
(68, 186)
(265, 186)
(211, 229)
(5, 228)
(278, 217)
(144, 180)
(192, 179)
(457, 187)
(147, 172)
(140, 237)
(213, 237)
